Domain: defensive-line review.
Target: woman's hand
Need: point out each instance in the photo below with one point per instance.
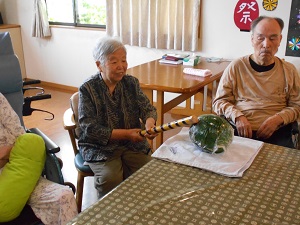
(134, 135)
(4, 154)
(3, 162)
(5, 151)
(150, 123)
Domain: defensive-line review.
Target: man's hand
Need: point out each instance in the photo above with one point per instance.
(269, 126)
(243, 127)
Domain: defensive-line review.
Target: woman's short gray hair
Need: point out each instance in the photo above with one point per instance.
(106, 46)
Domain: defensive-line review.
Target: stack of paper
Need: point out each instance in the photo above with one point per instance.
(171, 61)
(173, 58)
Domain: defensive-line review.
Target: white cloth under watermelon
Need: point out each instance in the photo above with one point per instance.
(237, 158)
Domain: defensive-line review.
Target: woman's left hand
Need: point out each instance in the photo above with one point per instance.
(150, 136)
(150, 123)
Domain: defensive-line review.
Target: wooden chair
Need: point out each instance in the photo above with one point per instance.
(70, 124)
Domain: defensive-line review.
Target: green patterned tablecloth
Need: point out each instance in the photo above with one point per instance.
(169, 193)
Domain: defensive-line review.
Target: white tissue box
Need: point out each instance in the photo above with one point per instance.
(191, 61)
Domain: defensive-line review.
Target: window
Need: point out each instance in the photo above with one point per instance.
(81, 13)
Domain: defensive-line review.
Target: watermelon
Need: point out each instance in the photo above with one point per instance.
(212, 134)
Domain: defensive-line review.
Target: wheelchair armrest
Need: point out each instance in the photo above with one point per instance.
(50, 145)
(37, 97)
(27, 110)
(28, 82)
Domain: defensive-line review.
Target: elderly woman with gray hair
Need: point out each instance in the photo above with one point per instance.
(111, 108)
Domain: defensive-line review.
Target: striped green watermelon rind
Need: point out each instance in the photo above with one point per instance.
(212, 134)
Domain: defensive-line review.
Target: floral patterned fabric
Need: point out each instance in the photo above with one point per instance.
(51, 202)
(10, 126)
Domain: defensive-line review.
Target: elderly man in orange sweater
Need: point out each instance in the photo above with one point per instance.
(259, 93)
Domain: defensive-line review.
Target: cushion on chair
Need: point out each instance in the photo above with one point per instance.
(20, 175)
(79, 164)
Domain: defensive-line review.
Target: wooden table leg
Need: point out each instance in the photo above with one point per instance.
(202, 101)
(160, 116)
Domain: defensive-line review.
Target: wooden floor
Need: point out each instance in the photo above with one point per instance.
(57, 105)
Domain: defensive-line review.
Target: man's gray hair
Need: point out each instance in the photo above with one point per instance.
(260, 18)
(106, 46)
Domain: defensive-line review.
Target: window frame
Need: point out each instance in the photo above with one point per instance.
(75, 24)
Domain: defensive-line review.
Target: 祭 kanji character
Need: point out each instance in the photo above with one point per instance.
(245, 12)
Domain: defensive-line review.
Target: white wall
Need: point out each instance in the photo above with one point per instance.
(66, 58)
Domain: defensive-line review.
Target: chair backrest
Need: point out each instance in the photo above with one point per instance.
(70, 121)
(74, 106)
(11, 83)
(11, 86)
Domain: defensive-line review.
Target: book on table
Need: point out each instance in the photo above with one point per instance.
(165, 61)
(171, 58)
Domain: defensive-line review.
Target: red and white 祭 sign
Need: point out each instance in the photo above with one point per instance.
(244, 13)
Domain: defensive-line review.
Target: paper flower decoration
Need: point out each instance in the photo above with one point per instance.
(294, 44)
(270, 5)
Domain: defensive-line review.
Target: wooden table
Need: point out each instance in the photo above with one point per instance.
(167, 193)
(154, 76)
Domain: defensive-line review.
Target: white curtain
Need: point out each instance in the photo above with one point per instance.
(40, 27)
(162, 24)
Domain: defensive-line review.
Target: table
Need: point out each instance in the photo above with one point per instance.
(167, 193)
(154, 76)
